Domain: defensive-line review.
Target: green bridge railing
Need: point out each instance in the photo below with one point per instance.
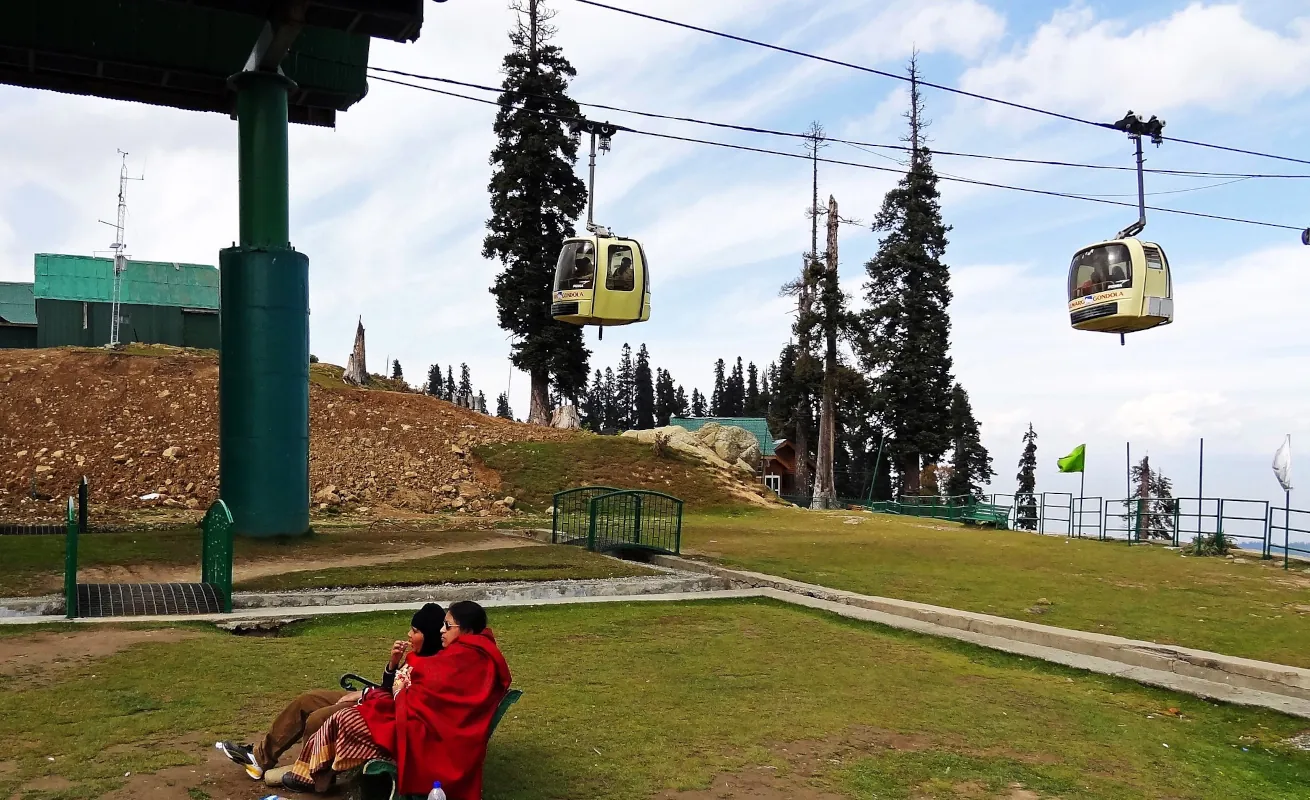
(606, 519)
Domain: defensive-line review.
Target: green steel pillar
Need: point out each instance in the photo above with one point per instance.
(263, 379)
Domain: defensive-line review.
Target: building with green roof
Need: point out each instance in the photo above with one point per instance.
(17, 315)
(756, 426)
(159, 302)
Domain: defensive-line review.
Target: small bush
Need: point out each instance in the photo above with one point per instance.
(1215, 544)
(662, 449)
(313, 359)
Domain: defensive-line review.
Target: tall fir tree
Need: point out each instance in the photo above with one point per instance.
(905, 335)
(435, 383)
(643, 399)
(971, 465)
(593, 405)
(752, 405)
(625, 387)
(480, 403)
(465, 382)
(397, 374)
(450, 384)
(698, 408)
(610, 402)
(1151, 510)
(1025, 507)
(665, 398)
(681, 408)
(718, 397)
(535, 198)
(735, 401)
(502, 407)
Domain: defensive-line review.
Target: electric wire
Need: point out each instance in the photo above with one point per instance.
(794, 135)
(938, 86)
(838, 162)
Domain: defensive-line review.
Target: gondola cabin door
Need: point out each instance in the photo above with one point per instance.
(601, 280)
(1120, 286)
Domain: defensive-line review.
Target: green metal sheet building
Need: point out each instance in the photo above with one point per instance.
(17, 315)
(159, 302)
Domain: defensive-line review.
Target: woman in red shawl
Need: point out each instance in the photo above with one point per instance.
(434, 723)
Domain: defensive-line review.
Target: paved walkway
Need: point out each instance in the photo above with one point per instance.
(1196, 672)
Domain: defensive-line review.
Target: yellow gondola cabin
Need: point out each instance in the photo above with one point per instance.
(618, 293)
(1120, 286)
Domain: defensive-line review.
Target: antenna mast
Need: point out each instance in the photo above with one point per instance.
(120, 257)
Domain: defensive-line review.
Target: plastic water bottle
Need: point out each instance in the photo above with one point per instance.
(436, 793)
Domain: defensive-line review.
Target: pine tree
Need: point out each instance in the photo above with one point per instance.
(643, 393)
(665, 398)
(1151, 509)
(906, 327)
(1025, 511)
(762, 403)
(593, 406)
(502, 407)
(698, 402)
(681, 408)
(751, 406)
(450, 384)
(625, 388)
(792, 417)
(610, 402)
(465, 382)
(535, 197)
(971, 465)
(735, 395)
(434, 384)
(397, 374)
(718, 397)
(480, 404)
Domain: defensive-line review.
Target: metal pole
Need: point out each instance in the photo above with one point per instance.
(1287, 522)
(591, 183)
(1141, 188)
(1082, 481)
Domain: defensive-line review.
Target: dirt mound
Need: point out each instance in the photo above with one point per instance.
(145, 423)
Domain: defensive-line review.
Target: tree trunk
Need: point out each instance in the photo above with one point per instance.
(909, 467)
(539, 411)
(802, 447)
(825, 481)
(566, 417)
(356, 372)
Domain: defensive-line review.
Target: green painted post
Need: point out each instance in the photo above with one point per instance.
(591, 525)
(264, 356)
(636, 523)
(70, 564)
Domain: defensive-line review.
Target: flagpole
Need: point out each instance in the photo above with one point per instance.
(1287, 521)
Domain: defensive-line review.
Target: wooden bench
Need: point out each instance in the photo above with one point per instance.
(987, 514)
(376, 780)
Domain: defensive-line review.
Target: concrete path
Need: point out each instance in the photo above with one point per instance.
(1196, 672)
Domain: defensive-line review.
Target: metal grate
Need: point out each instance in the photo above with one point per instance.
(146, 599)
(571, 517)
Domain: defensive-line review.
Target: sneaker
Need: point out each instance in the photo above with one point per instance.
(244, 755)
(294, 782)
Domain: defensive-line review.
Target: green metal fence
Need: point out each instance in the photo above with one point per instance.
(571, 514)
(1088, 521)
(216, 552)
(70, 563)
(1285, 523)
(635, 520)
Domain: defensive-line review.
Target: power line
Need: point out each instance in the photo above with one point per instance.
(852, 143)
(938, 86)
(784, 154)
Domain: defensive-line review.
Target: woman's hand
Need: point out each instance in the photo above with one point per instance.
(351, 697)
(397, 654)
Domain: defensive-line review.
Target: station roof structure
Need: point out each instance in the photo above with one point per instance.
(180, 53)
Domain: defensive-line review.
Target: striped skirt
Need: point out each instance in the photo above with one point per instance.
(343, 743)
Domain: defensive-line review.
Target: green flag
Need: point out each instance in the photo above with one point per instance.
(1074, 461)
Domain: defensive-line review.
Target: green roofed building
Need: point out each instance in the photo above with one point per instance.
(757, 426)
(17, 315)
(159, 302)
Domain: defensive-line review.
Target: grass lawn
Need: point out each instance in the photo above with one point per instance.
(627, 701)
(517, 564)
(1242, 607)
(33, 565)
(534, 471)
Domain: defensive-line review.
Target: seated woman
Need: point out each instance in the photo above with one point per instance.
(306, 714)
(434, 723)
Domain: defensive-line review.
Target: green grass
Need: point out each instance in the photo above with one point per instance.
(534, 471)
(516, 564)
(628, 701)
(1247, 608)
(33, 565)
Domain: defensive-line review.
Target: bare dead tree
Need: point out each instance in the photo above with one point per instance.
(356, 372)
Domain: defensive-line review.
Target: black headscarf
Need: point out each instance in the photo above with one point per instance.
(428, 620)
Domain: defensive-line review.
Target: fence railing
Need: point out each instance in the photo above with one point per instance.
(571, 517)
(216, 552)
(1289, 532)
(53, 528)
(604, 518)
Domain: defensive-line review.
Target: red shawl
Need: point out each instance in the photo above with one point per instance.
(437, 726)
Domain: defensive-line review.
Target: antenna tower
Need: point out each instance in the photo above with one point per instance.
(119, 246)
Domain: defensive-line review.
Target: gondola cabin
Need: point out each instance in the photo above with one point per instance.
(1120, 286)
(601, 280)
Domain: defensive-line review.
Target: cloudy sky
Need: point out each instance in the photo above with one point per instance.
(390, 206)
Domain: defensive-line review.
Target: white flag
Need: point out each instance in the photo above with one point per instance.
(1283, 464)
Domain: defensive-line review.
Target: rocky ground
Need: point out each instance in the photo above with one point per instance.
(143, 428)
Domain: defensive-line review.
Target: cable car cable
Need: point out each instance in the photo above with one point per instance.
(784, 154)
(941, 87)
(853, 143)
